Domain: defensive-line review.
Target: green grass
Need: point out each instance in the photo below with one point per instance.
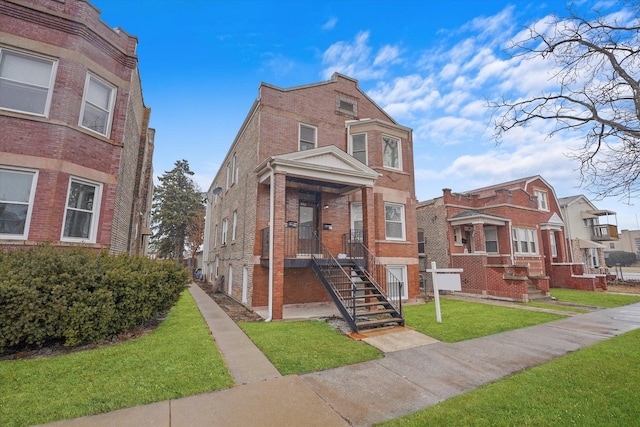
(178, 359)
(557, 307)
(597, 299)
(595, 386)
(463, 320)
(306, 346)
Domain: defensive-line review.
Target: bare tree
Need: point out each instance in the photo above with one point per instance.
(596, 64)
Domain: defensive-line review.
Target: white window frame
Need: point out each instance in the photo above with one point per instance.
(543, 200)
(230, 280)
(494, 230)
(95, 211)
(402, 269)
(228, 181)
(366, 150)
(112, 100)
(553, 244)
(594, 258)
(385, 138)
(215, 236)
(225, 226)
(529, 236)
(315, 136)
(457, 235)
(233, 170)
(402, 222)
(49, 88)
(234, 226)
(29, 203)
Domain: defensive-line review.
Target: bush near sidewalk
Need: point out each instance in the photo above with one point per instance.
(75, 296)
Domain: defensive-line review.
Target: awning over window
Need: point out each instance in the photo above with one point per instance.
(588, 244)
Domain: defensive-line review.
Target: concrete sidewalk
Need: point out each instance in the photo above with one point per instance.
(352, 395)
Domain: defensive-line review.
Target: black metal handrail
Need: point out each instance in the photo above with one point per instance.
(341, 282)
(377, 272)
(294, 246)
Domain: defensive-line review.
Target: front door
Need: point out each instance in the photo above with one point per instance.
(308, 222)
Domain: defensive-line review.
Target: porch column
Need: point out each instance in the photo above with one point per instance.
(478, 238)
(278, 245)
(368, 218)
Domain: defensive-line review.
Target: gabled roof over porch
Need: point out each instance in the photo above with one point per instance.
(472, 216)
(326, 166)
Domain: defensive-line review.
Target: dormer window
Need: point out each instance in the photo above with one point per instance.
(543, 205)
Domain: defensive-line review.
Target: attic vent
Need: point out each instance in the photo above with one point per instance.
(346, 105)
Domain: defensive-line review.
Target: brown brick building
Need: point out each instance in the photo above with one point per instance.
(314, 173)
(75, 146)
(508, 238)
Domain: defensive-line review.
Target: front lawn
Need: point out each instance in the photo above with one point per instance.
(306, 346)
(597, 299)
(595, 386)
(178, 359)
(463, 320)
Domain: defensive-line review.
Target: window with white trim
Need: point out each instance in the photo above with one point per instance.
(543, 204)
(491, 239)
(225, 226)
(554, 247)
(307, 137)
(421, 241)
(97, 105)
(82, 211)
(17, 192)
(233, 170)
(26, 82)
(228, 181)
(594, 258)
(234, 225)
(358, 147)
(394, 221)
(391, 152)
(525, 240)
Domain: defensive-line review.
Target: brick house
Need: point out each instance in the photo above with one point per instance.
(75, 146)
(508, 238)
(315, 202)
(587, 234)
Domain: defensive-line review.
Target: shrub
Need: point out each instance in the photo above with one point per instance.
(625, 259)
(75, 296)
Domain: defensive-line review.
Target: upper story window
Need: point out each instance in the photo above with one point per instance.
(17, 189)
(346, 105)
(82, 211)
(421, 241)
(225, 227)
(457, 236)
(525, 240)
(543, 204)
(394, 221)
(358, 147)
(234, 226)
(234, 170)
(391, 153)
(26, 82)
(97, 105)
(308, 137)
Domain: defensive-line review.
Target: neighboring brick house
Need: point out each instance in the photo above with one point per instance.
(508, 238)
(75, 146)
(313, 170)
(587, 235)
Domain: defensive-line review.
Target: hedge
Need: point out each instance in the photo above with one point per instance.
(76, 296)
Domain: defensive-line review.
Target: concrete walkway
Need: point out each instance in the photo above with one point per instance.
(417, 377)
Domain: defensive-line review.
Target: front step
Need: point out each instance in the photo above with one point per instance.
(368, 324)
(535, 294)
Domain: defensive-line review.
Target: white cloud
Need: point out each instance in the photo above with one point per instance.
(330, 24)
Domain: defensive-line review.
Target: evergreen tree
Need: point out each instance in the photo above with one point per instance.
(176, 205)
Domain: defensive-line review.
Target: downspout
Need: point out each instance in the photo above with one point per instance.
(272, 192)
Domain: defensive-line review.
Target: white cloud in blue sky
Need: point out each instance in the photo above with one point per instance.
(430, 65)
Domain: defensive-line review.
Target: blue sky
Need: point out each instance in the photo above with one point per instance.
(430, 64)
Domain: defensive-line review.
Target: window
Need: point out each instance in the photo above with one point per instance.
(457, 236)
(26, 82)
(230, 282)
(421, 241)
(554, 247)
(228, 182)
(359, 147)
(356, 222)
(97, 105)
(613, 246)
(394, 221)
(391, 152)
(491, 239)
(234, 225)
(17, 190)
(542, 200)
(398, 273)
(593, 257)
(307, 137)
(225, 224)
(215, 236)
(83, 206)
(233, 170)
(524, 240)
